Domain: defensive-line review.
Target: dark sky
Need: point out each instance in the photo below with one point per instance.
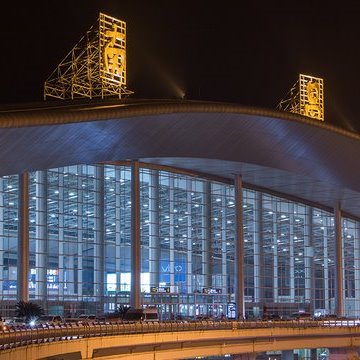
(245, 52)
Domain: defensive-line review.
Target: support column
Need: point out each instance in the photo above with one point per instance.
(135, 296)
(41, 252)
(118, 215)
(171, 267)
(224, 260)
(189, 279)
(2, 238)
(99, 238)
(239, 249)
(308, 259)
(154, 235)
(63, 265)
(275, 258)
(258, 250)
(23, 239)
(206, 226)
(339, 279)
(292, 253)
(80, 252)
(327, 299)
(357, 268)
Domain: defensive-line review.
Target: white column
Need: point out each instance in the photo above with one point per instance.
(118, 184)
(308, 259)
(189, 280)
(326, 266)
(224, 225)
(23, 239)
(172, 232)
(2, 235)
(239, 248)
(154, 235)
(258, 249)
(61, 240)
(275, 259)
(41, 240)
(339, 263)
(99, 237)
(80, 255)
(291, 252)
(357, 268)
(206, 235)
(135, 296)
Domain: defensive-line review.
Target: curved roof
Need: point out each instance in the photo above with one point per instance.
(283, 152)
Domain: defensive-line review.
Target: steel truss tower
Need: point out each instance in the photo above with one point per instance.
(306, 97)
(95, 67)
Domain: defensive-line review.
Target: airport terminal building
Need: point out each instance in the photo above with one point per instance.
(189, 206)
(199, 208)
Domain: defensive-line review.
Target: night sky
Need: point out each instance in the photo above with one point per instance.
(249, 53)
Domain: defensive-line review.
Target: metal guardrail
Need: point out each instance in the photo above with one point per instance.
(16, 337)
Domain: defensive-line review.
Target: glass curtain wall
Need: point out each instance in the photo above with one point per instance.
(9, 219)
(80, 246)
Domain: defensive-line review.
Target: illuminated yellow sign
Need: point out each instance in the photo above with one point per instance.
(96, 65)
(112, 49)
(311, 97)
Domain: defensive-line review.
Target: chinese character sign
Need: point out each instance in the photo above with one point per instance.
(311, 97)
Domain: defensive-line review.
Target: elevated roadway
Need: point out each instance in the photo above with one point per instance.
(175, 341)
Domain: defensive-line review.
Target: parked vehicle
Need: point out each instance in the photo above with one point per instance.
(301, 315)
(146, 314)
(86, 318)
(49, 320)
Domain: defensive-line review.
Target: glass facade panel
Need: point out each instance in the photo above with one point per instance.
(80, 245)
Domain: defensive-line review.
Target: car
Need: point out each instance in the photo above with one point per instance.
(47, 320)
(86, 318)
(146, 314)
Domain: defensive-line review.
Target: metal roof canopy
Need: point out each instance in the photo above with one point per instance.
(283, 152)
